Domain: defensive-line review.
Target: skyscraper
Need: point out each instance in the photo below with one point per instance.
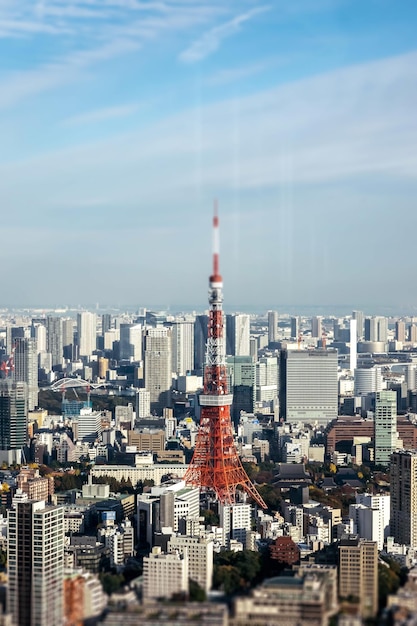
(376, 329)
(386, 439)
(13, 420)
(87, 333)
(358, 573)
(131, 342)
(309, 386)
(272, 326)
(26, 368)
(316, 326)
(403, 479)
(359, 317)
(237, 334)
(200, 340)
(295, 327)
(158, 367)
(182, 347)
(35, 563)
(54, 339)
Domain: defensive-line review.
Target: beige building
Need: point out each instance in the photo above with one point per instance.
(403, 472)
(164, 575)
(200, 557)
(358, 573)
(33, 485)
(147, 439)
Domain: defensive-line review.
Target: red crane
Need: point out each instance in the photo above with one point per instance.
(7, 366)
(216, 465)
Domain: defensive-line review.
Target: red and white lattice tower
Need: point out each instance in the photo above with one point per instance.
(216, 465)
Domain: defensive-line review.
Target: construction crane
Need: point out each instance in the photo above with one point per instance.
(7, 367)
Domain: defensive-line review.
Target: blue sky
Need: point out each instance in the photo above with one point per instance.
(121, 120)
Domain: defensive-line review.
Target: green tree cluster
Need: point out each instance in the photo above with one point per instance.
(236, 571)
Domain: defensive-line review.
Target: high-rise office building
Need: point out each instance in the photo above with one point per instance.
(400, 330)
(68, 339)
(267, 379)
(272, 326)
(295, 327)
(13, 420)
(403, 479)
(158, 367)
(35, 563)
(13, 333)
(105, 323)
(87, 333)
(241, 377)
(200, 341)
(26, 368)
(54, 339)
(316, 326)
(358, 573)
(376, 329)
(182, 347)
(143, 403)
(309, 386)
(359, 317)
(131, 336)
(237, 334)
(385, 422)
(39, 333)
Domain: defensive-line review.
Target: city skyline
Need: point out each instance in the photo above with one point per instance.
(122, 120)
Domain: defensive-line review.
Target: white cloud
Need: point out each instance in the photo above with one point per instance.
(211, 40)
(349, 124)
(104, 114)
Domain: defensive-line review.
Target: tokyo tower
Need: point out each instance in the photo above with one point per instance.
(215, 464)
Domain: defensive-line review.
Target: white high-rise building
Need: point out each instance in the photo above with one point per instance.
(236, 521)
(111, 335)
(35, 563)
(272, 326)
(158, 364)
(200, 557)
(371, 515)
(311, 386)
(359, 317)
(87, 333)
(164, 575)
(87, 425)
(40, 336)
(131, 336)
(238, 334)
(386, 437)
(267, 379)
(143, 403)
(182, 347)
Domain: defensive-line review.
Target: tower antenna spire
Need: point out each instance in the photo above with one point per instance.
(216, 240)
